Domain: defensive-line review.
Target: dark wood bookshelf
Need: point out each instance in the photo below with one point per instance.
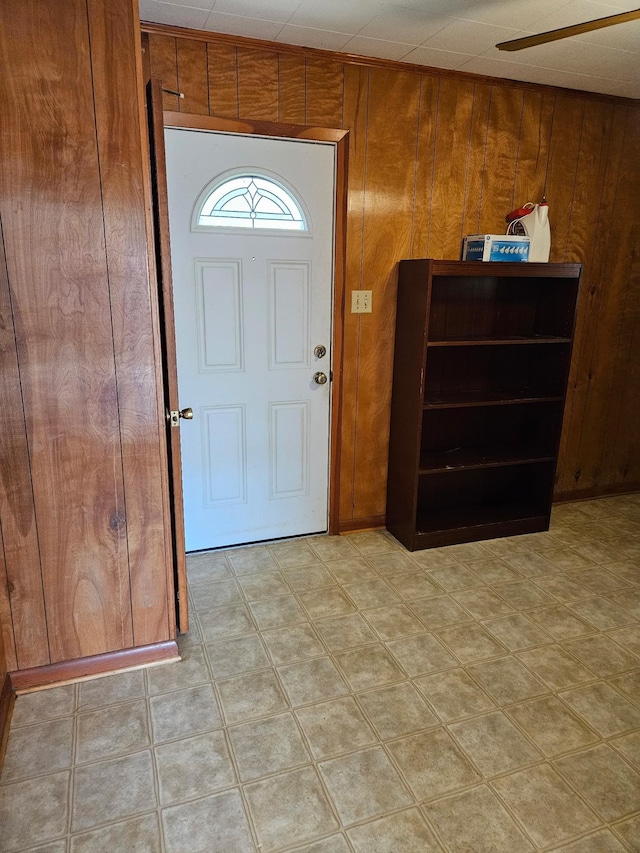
(481, 363)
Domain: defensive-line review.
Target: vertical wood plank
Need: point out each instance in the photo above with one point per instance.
(257, 84)
(51, 209)
(390, 170)
(8, 658)
(164, 67)
(324, 92)
(455, 107)
(22, 592)
(291, 88)
(429, 91)
(193, 80)
(115, 78)
(478, 161)
(355, 118)
(223, 79)
(533, 147)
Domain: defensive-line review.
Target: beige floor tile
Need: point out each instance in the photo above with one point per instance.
(38, 749)
(371, 593)
(601, 613)
(46, 705)
(212, 594)
(119, 788)
(600, 580)
(629, 684)
(345, 632)
(494, 744)
(545, 805)
(434, 558)
(629, 831)
(364, 785)
(352, 570)
(530, 563)
(394, 620)
(421, 654)
(247, 697)
(185, 712)
(141, 834)
(566, 559)
(374, 542)
(53, 847)
(110, 689)
(211, 565)
(517, 632)
(629, 746)
(524, 595)
(278, 612)
(267, 746)
(603, 708)
(263, 585)
(603, 841)
(552, 726)
(455, 577)
(193, 767)
(492, 570)
(335, 727)
(188, 672)
(629, 601)
(224, 622)
(454, 694)
(397, 710)
(322, 603)
(469, 551)
(309, 577)
(332, 547)
(215, 824)
(296, 642)
(560, 622)
(334, 844)
(471, 643)
(628, 638)
(391, 563)
(236, 656)
(627, 570)
(490, 828)
(293, 554)
(604, 779)
(440, 612)
(483, 603)
(368, 666)
(600, 552)
(255, 558)
(289, 809)
(412, 585)
(112, 731)
(44, 800)
(433, 764)
(556, 667)
(312, 681)
(405, 831)
(507, 680)
(562, 587)
(602, 655)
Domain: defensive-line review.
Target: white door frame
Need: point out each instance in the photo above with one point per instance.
(340, 138)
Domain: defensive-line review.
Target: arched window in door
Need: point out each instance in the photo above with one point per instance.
(248, 201)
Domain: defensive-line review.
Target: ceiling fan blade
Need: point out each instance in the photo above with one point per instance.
(565, 32)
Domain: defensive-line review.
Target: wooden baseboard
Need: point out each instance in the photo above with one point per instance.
(604, 492)
(372, 522)
(24, 680)
(7, 699)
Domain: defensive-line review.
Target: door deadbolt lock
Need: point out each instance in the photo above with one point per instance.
(174, 416)
(320, 351)
(320, 378)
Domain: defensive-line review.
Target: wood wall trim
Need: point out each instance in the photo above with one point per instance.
(340, 138)
(372, 522)
(370, 61)
(591, 494)
(7, 701)
(25, 680)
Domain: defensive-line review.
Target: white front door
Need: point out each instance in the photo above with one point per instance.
(252, 305)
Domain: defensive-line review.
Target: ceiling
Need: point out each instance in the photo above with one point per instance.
(454, 34)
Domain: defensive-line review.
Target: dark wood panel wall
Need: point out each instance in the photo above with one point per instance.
(434, 156)
(82, 491)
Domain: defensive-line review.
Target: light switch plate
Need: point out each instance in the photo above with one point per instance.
(361, 302)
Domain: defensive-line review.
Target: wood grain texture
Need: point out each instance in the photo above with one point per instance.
(481, 146)
(257, 84)
(193, 76)
(164, 66)
(222, 62)
(7, 701)
(116, 90)
(22, 614)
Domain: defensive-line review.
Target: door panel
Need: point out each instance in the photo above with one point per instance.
(250, 306)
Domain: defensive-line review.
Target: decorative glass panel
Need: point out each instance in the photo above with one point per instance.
(249, 201)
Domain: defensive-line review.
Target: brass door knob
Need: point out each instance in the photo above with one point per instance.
(187, 414)
(320, 378)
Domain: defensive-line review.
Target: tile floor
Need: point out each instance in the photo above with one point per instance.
(341, 694)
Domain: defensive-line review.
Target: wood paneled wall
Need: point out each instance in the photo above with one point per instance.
(82, 491)
(434, 156)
